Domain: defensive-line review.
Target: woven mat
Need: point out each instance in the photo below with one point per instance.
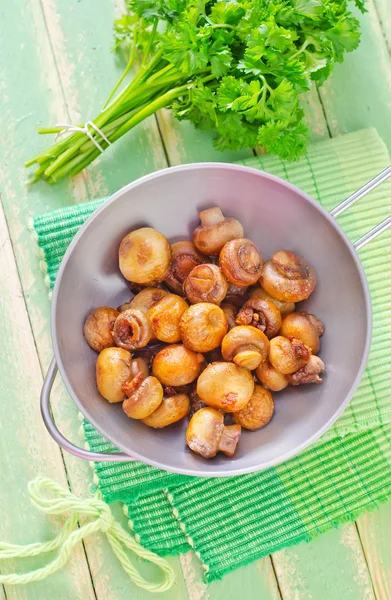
(232, 521)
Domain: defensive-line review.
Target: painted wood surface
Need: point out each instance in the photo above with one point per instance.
(54, 66)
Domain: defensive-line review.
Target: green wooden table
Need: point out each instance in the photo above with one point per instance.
(55, 66)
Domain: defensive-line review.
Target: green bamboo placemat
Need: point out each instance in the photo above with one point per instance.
(230, 522)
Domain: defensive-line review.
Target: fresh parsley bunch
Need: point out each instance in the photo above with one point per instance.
(236, 67)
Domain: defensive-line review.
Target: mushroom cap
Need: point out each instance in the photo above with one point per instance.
(171, 410)
(258, 410)
(225, 386)
(132, 329)
(145, 399)
(205, 283)
(300, 327)
(147, 298)
(144, 256)
(205, 431)
(113, 369)
(203, 327)
(98, 328)
(284, 307)
(244, 338)
(288, 277)
(287, 356)
(176, 365)
(215, 230)
(270, 378)
(241, 262)
(165, 316)
(185, 257)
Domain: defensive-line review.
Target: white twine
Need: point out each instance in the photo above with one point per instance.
(69, 128)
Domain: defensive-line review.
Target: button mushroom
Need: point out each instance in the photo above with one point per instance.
(225, 386)
(113, 368)
(144, 299)
(203, 327)
(241, 262)
(98, 328)
(316, 322)
(246, 346)
(132, 329)
(309, 373)
(172, 409)
(260, 313)
(144, 395)
(271, 378)
(205, 283)
(206, 434)
(298, 326)
(176, 365)
(258, 410)
(185, 257)
(144, 256)
(165, 316)
(288, 277)
(284, 307)
(215, 230)
(288, 356)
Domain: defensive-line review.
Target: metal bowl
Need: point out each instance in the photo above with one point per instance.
(275, 215)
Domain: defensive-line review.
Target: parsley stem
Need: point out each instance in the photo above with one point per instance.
(129, 65)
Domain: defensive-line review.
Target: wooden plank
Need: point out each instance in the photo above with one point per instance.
(375, 531)
(358, 94)
(331, 567)
(35, 93)
(25, 447)
(383, 8)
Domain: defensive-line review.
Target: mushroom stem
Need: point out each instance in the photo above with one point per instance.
(229, 439)
(248, 357)
(211, 216)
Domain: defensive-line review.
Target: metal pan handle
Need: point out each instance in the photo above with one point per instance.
(59, 438)
(363, 191)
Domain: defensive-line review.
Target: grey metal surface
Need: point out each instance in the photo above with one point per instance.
(363, 191)
(275, 215)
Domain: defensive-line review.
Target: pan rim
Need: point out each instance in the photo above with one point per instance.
(211, 471)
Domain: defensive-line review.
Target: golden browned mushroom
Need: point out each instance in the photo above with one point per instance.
(144, 395)
(309, 373)
(165, 316)
(288, 277)
(132, 329)
(203, 327)
(172, 409)
(230, 311)
(258, 410)
(176, 365)
(284, 307)
(215, 230)
(144, 256)
(205, 283)
(185, 257)
(113, 368)
(236, 294)
(246, 346)
(225, 386)
(288, 356)
(144, 299)
(260, 313)
(98, 328)
(241, 262)
(271, 378)
(316, 322)
(206, 434)
(297, 325)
